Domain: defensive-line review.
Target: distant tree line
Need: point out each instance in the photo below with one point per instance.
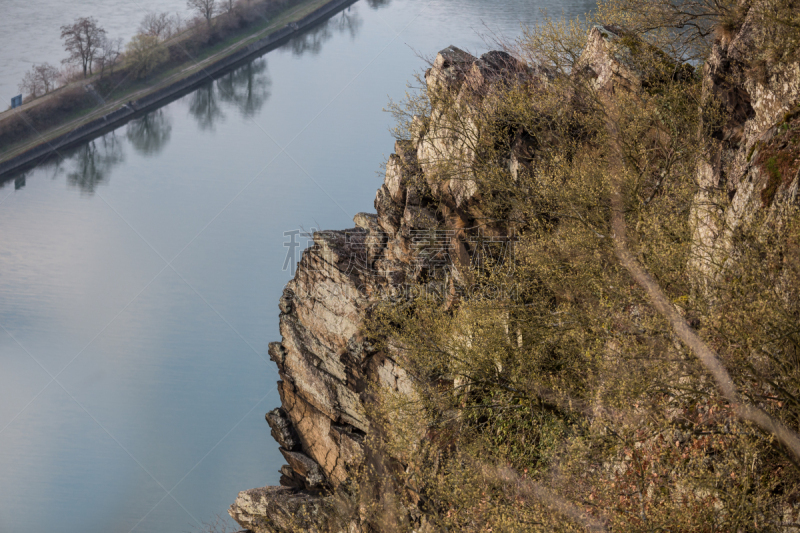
(91, 51)
(99, 67)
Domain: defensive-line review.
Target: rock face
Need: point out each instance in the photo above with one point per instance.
(605, 61)
(735, 181)
(324, 362)
(280, 509)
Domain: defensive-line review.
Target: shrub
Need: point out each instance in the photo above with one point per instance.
(144, 54)
(574, 399)
(62, 105)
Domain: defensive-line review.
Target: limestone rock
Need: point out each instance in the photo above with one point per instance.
(314, 428)
(305, 466)
(324, 363)
(395, 184)
(282, 430)
(492, 68)
(603, 60)
(281, 510)
(291, 479)
(734, 185)
(449, 68)
(389, 213)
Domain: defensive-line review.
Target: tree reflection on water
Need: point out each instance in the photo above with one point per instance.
(149, 134)
(85, 167)
(94, 161)
(248, 88)
(348, 21)
(204, 107)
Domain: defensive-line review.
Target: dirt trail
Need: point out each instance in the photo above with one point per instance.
(708, 358)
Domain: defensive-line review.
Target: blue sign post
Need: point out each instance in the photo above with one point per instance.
(16, 101)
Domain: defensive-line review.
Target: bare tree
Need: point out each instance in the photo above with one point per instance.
(178, 24)
(39, 80)
(204, 8)
(30, 85)
(47, 74)
(108, 55)
(82, 40)
(160, 25)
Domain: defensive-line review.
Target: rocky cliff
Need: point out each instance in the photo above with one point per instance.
(326, 365)
(736, 182)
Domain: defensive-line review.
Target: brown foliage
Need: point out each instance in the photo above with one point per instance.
(44, 116)
(607, 377)
(779, 159)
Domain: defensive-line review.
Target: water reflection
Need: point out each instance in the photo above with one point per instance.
(377, 4)
(85, 166)
(204, 107)
(148, 135)
(94, 161)
(348, 21)
(248, 88)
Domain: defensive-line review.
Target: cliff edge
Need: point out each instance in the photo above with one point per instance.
(418, 238)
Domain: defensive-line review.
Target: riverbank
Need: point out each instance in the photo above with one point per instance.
(111, 115)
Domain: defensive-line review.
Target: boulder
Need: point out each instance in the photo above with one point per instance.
(282, 430)
(282, 510)
(305, 466)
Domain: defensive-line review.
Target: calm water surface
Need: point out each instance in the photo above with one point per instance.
(140, 273)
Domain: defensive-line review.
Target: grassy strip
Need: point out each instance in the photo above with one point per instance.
(135, 90)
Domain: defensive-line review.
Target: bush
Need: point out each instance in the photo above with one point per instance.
(59, 107)
(574, 398)
(145, 53)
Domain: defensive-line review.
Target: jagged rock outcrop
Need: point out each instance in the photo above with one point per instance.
(281, 509)
(326, 365)
(606, 61)
(323, 361)
(736, 178)
(761, 113)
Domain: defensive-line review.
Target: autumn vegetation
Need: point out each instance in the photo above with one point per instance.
(618, 377)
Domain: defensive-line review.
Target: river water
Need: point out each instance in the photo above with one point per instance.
(140, 272)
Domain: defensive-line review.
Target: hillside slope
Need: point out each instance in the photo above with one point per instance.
(515, 340)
